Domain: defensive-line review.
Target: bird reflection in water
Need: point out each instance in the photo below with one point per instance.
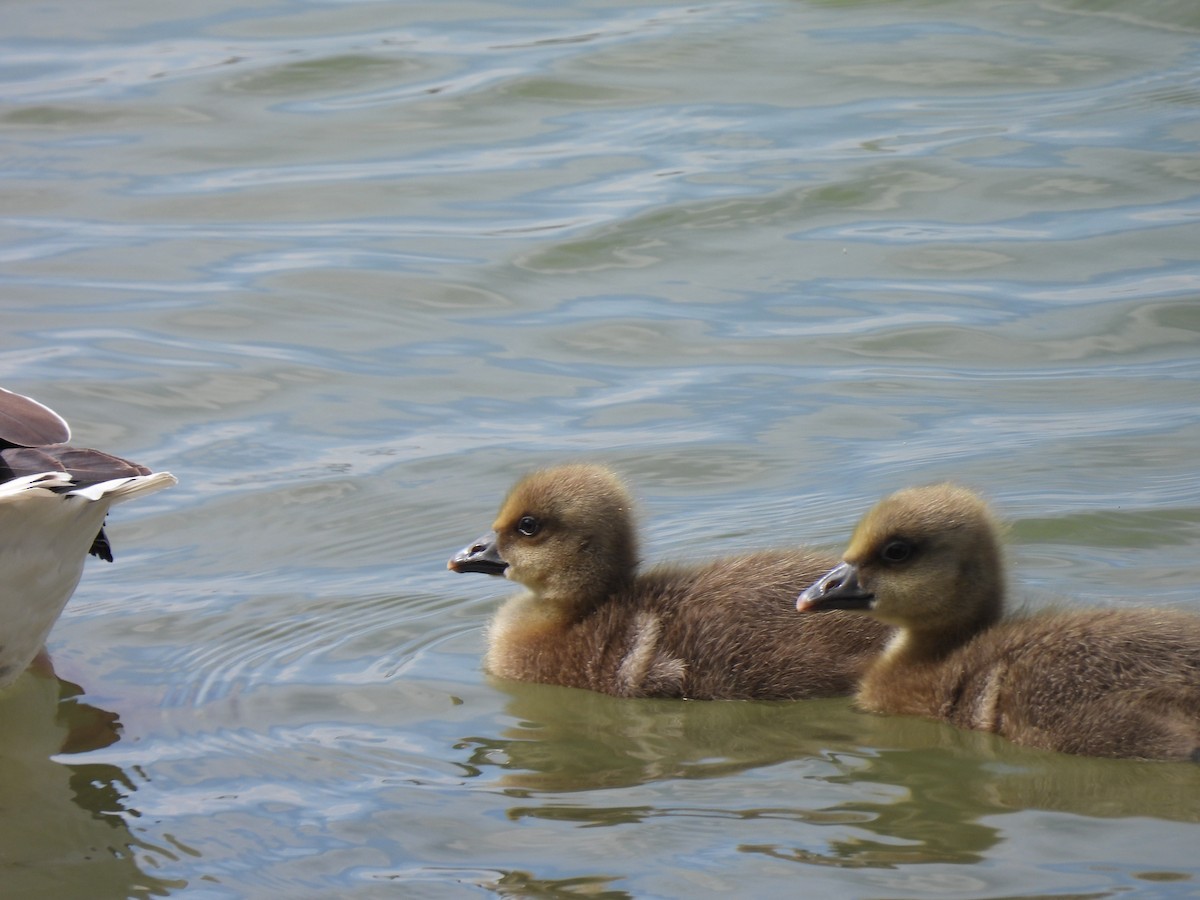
(77, 839)
(846, 789)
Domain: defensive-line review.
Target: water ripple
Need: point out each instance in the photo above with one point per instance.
(350, 268)
(1064, 225)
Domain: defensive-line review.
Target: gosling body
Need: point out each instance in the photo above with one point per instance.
(1111, 682)
(587, 618)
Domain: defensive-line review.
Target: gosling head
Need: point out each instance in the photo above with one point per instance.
(924, 559)
(564, 533)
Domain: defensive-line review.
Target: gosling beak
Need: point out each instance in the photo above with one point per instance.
(479, 556)
(837, 589)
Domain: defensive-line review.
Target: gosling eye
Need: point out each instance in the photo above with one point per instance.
(528, 526)
(897, 551)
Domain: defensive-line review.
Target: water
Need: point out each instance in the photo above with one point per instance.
(348, 268)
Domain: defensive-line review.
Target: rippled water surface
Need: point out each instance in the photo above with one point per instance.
(347, 268)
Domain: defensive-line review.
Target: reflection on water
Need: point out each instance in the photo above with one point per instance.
(565, 740)
(940, 789)
(66, 822)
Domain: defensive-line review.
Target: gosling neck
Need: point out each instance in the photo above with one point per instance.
(977, 603)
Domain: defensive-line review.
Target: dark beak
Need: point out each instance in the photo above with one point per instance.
(479, 556)
(837, 589)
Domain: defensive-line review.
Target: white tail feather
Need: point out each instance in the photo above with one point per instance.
(15, 486)
(121, 489)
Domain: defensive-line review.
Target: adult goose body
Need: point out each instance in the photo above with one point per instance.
(53, 502)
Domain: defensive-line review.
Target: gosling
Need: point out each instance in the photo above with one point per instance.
(1114, 683)
(587, 618)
